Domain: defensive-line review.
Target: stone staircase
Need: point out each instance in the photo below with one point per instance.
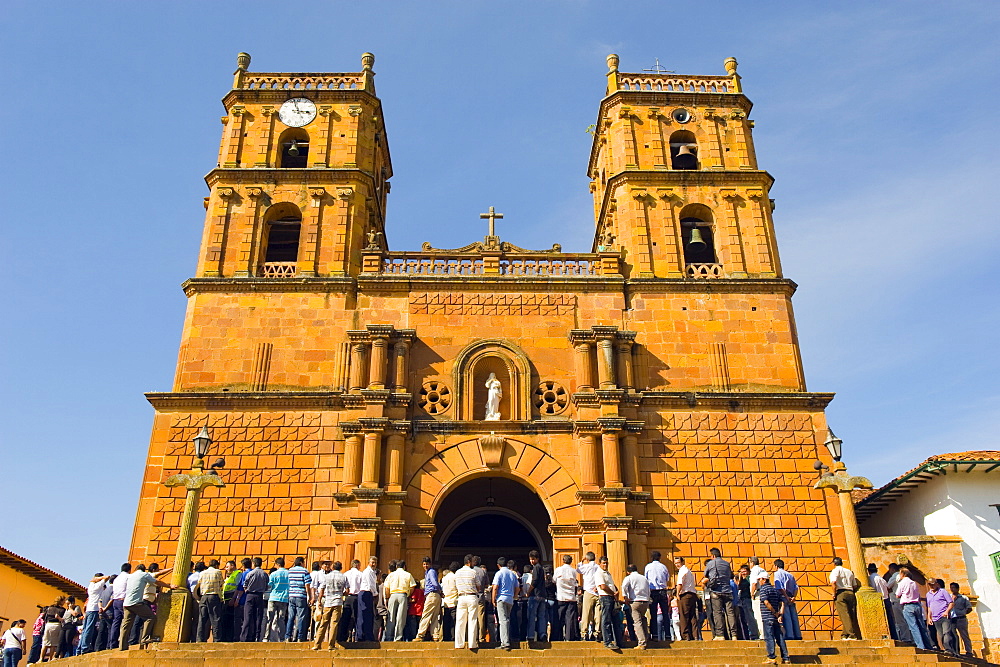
(559, 654)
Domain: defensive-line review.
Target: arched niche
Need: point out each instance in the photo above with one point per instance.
(510, 365)
(292, 149)
(279, 246)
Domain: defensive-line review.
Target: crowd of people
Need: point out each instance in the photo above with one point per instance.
(463, 603)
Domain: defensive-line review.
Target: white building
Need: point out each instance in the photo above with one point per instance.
(949, 495)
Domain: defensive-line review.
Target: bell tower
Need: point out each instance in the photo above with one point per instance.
(301, 182)
(675, 179)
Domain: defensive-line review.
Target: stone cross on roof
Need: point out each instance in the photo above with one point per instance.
(491, 215)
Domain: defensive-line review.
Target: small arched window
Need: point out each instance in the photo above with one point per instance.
(683, 150)
(281, 246)
(294, 149)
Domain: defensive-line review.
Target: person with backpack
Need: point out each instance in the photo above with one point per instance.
(718, 575)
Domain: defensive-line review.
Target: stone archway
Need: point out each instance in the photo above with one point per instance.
(491, 517)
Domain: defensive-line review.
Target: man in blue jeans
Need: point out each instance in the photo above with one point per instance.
(772, 603)
(300, 594)
(536, 599)
(909, 599)
(611, 629)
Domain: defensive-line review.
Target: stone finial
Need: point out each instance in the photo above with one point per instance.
(242, 61)
(367, 60)
(613, 62)
(730, 64)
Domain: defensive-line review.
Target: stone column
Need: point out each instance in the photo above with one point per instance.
(311, 223)
(352, 461)
(584, 374)
(630, 454)
(394, 445)
(364, 547)
(606, 363)
(588, 463)
(612, 459)
(357, 366)
(617, 539)
(376, 373)
(246, 261)
(625, 379)
(370, 460)
(401, 352)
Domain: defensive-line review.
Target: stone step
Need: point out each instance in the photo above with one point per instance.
(568, 654)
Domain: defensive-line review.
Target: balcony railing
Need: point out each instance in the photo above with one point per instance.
(676, 83)
(704, 270)
(541, 264)
(285, 81)
(278, 269)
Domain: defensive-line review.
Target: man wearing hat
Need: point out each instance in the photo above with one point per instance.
(772, 603)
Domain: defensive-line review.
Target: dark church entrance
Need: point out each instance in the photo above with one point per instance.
(491, 517)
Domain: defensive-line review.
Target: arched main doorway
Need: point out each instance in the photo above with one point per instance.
(491, 517)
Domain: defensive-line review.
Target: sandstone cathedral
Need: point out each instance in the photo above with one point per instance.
(648, 394)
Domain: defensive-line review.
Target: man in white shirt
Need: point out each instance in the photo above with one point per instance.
(565, 578)
(659, 600)
(608, 594)
(842, 581)
(687, 599)
(92, 613)
(367, 594)
(591, 612)
(757, 571)
(118, 604)
(636, 593)
(105, 618)
(467, 617)
(449, 602)
(349, 615)
(331, 591)
(878, 583)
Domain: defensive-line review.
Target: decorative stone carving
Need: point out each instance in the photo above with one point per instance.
(491, 447)
(551, 398)
(435, 397)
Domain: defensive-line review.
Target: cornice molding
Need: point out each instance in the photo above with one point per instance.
(317, 95)
(310, 176)
(384, 283)
(329, 400)
(712, 286)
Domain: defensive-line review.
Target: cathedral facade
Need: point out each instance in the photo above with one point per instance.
(646, 395)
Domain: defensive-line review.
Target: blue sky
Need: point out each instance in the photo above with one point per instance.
(876, 119)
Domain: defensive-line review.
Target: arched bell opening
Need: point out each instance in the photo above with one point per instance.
(697, 236)
(280, 249)
(293, 149)
(489, 517)
(683, 150)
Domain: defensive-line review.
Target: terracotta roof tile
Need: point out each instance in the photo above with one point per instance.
(43, 574)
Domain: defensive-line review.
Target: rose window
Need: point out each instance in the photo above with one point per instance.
(551, 398)
(435, 397)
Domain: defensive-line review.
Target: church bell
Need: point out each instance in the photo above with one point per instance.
(687, 157)
(293, 150)
(696, 242)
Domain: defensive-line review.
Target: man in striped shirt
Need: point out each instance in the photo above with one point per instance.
(208, 592)
(467, 616)
(300, 596)
(772, 602)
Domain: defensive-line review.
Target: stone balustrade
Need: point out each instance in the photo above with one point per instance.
(677, 83)
(283, 81)
(704, 270)
(515, 265)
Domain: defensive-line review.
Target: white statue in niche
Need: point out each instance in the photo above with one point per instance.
(495, 393)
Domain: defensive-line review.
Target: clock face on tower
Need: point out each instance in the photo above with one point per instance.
(297, 112)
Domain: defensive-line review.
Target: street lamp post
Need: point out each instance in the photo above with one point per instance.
(175, 608)
(871, 611)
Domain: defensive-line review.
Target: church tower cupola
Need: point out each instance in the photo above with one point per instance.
(302, 176)
(675, 179)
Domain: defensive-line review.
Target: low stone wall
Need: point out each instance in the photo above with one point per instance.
(932, 556)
